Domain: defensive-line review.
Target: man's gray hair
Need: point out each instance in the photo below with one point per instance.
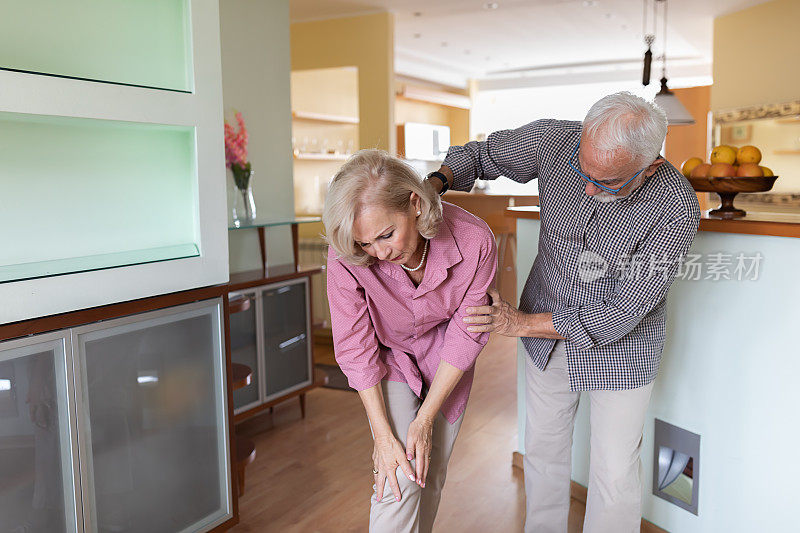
(628, 122)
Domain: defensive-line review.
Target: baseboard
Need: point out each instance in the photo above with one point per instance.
(516, 460)
(579, 493)
(649, 527)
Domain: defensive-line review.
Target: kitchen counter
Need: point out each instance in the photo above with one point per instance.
(754, 223)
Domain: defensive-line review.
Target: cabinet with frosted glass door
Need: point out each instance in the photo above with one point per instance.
(272, 335)
(141, 400)
(39, 487)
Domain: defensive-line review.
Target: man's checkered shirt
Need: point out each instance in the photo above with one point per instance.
(613, 319)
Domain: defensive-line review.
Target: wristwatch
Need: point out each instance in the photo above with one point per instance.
(442, 177)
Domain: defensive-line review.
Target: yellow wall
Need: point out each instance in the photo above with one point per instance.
(330, 91)
(756, 56)
(367, 43)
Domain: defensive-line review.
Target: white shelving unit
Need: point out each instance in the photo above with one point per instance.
(56, 226)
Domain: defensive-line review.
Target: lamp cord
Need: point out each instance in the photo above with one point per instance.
(648, 37)
(664, 50)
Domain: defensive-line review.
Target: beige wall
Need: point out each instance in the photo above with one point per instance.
(756, 56)
(255, 80)
(367, 43)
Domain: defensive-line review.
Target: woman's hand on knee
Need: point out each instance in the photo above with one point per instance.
(387, 455)
(418, 446)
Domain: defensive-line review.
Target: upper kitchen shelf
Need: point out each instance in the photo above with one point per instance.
(324, 117)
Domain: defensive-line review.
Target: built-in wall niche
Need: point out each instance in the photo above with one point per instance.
(80, 194)
(146, 43)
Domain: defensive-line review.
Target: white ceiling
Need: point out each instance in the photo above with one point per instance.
(522, 41)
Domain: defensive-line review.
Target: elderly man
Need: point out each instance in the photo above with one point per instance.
(616, 219)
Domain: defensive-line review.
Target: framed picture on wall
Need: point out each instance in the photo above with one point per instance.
(736, 134)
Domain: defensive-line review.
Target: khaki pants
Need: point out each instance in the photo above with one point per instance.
(616, 423)
(416, 510)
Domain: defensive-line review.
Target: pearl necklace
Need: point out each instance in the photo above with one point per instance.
(421, 261)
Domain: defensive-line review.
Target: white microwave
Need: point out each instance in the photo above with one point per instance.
(423, 142)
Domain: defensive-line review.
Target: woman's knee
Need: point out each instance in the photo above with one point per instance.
(408, 489)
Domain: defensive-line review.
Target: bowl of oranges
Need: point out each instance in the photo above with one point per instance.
(730, 171)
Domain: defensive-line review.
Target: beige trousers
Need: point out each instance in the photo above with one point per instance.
(416, 510)
(616, 423)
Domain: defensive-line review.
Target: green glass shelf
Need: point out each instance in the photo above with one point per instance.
(266, 222)
(77, 194)
(42, 269)
(146, 43)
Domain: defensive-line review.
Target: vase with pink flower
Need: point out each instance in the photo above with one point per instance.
(243, 206)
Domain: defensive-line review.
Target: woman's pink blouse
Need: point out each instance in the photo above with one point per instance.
(385, 328)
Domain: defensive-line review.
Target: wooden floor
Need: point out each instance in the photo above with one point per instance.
(314, 474)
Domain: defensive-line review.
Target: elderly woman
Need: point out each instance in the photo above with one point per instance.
(402, 269)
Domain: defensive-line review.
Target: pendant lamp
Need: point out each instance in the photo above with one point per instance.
(677, 114)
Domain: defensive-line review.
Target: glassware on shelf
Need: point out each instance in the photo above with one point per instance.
(243, 207)
(317, 198)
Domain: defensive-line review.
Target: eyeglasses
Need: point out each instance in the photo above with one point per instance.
(593, 182)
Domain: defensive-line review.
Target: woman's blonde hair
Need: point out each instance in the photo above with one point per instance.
(369, 178)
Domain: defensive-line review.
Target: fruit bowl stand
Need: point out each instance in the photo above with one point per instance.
(728, 188)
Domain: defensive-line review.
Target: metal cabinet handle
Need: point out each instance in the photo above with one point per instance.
(293, 340)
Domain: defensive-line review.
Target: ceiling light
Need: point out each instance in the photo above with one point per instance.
(589, 3)
(491, 5)
(677, 115)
